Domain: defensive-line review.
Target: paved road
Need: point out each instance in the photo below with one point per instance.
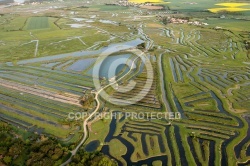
(85, 123)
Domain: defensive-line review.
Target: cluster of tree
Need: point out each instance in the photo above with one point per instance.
(82, 7)
(88, 101)
(33, 151)
(41, 151)
(82, 158)
(141, 46)
(247, 45)
(47, 152)
(225, 12)
(165, 20)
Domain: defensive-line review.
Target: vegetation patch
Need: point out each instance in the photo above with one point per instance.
(35, 23)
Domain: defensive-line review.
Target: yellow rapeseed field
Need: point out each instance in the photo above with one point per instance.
(231, 7)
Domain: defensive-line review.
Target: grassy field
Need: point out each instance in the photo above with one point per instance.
(35, 23)
(107, 8)
(206, 79)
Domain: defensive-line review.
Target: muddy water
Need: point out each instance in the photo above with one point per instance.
(173, 70)
(190, 142)
(81, 65)
(92, 146)
(163, 90)
(106, 68)
(239, 147)
(130, 149)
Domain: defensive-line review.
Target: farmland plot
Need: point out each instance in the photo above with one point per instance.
(36, 23)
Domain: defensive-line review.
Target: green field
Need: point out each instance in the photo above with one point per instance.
(200, 69)
(35, 23)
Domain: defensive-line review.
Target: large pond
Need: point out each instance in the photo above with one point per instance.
(111, 48)
(82, 64)
(92, 146)
(108, 68)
